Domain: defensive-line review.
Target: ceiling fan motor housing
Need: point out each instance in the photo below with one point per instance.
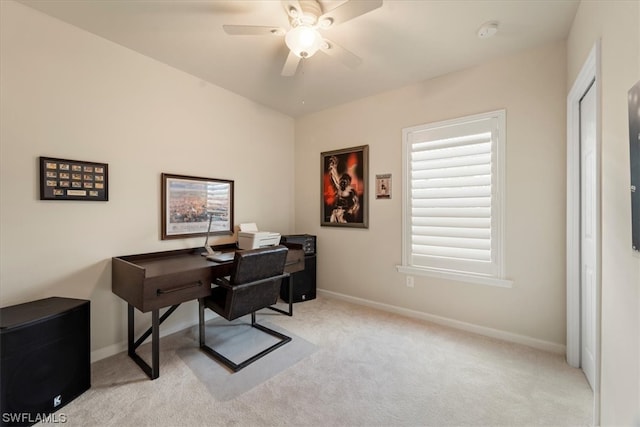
(309, 13)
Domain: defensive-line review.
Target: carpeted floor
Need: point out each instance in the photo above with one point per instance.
(238, 341)
(348, 366)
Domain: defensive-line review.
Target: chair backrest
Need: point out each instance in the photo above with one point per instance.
(255, 281)
(258, 264)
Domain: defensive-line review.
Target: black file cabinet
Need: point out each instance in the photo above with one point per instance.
(304, 282)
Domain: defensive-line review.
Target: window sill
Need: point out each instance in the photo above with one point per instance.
(460, 277)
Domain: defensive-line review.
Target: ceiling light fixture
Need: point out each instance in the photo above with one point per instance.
(307, 20)
(303, 40)
(488, 29)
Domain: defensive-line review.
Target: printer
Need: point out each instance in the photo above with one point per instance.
(250, 238)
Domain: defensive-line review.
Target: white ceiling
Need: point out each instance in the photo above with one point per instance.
(402, 42)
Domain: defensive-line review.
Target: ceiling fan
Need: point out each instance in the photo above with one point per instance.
(306, 19)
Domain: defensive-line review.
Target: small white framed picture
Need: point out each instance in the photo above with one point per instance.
(383, 186)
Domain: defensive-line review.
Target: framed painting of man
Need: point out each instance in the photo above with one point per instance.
(344, 187)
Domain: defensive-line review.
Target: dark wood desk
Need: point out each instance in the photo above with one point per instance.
(157, 280)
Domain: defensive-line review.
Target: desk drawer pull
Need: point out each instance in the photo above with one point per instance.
(181, 288)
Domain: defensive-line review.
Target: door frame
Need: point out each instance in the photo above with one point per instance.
(589, 74)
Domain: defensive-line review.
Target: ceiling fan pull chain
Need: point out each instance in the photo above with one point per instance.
(302, 79)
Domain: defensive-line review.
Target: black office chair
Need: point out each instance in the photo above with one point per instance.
(253, 284)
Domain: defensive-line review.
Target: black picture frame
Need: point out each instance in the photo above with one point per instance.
(66, 179)
(189, 202)
(344, 187)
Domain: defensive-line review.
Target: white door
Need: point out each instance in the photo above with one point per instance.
(588, 233)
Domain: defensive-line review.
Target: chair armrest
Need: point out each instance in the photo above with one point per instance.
(256, 282)
(224, 282)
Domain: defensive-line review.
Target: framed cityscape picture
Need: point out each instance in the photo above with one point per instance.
(344, 187)
(194, 206)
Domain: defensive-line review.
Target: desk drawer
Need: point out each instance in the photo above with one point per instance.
(176, 288)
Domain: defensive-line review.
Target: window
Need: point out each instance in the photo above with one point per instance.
(453, 199)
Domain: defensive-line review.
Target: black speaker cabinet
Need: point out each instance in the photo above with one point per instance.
(304, 282)
(45, 351)
(307, 241)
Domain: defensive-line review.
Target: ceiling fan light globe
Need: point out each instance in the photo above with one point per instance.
(303, 40)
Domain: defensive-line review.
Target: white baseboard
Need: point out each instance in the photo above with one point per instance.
(108, 351)
(114, 349)
(469, 327)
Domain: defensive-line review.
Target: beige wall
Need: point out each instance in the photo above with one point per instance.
(66, 93)
(362, 263)
(617, 25)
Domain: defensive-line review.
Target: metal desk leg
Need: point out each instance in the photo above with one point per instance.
(290, 312)
(152, 371)
(155, 345)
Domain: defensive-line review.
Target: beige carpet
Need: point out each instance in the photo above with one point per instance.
(368, 368)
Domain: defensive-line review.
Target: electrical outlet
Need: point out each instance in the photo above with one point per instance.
(410, 281)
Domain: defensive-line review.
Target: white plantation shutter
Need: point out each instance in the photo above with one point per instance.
(453, 208)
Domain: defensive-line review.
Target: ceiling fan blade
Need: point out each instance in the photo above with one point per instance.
(253, 30)
(348, 58)
(349, 10)
(291, 65)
